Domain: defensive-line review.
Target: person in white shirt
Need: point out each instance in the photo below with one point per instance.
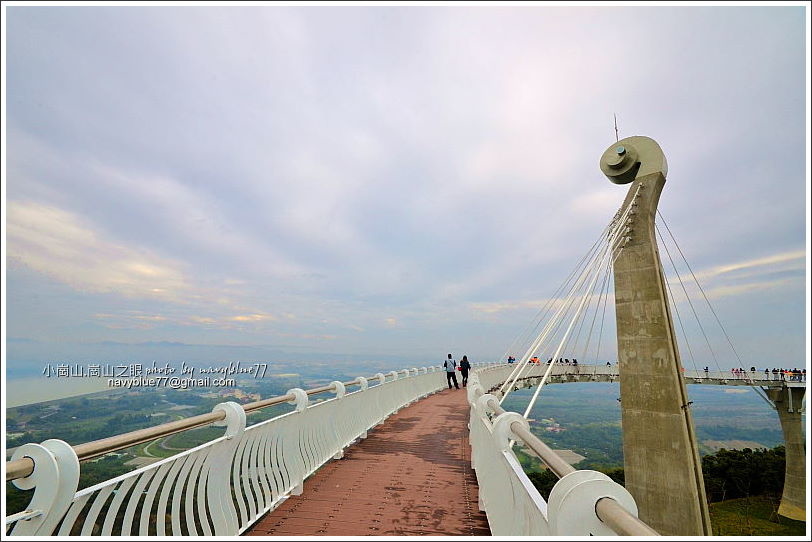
(450, 367)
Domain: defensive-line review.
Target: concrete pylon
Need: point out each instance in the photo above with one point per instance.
(788, 402)
(661, 457)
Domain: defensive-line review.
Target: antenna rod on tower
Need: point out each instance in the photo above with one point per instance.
(617, 138)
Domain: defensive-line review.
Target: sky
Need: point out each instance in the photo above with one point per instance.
(385, 182)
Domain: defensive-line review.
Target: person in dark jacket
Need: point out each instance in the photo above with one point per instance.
(464, 367)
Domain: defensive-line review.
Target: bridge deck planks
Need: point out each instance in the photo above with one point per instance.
(411, 476)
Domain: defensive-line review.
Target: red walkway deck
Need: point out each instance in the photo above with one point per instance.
(411, 476)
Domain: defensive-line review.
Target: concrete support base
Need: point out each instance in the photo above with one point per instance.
(787, 402)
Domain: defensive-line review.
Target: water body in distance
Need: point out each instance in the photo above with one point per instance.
(36, 389)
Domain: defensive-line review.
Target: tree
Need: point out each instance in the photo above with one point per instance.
(543, 481)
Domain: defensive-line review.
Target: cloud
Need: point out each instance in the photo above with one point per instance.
(202, 320)
(765, 268)
(794, 260)
(740, 289)
(130, 319)
(252, 317)
(70, 249)
(322, 172)
(65, 247)
(502, 306)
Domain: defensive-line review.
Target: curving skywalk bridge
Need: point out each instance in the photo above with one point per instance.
(236, 483)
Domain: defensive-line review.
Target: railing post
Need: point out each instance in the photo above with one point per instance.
(571, 506)
(408, 395)
(414, 385)
(381, 412)
(218, 487)
(54, 481)
(502, 432)
(301, 401)
(364, 385)
(340, 390)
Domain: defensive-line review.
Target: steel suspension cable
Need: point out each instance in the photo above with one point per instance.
(604, 272)
(600, 334)
(674, 303)
(604, 287)
(553, 324)
(596, 272)
(741, 363)
(539, 317)
(583, 320)
(558, 352)
(612, 232)
(691, 304)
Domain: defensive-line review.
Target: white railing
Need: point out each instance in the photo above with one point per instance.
(603, 373)
(221, 487)
(582, 503)
(498, 373)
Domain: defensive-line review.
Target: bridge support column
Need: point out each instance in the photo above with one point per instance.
(661, 458)
(787, 402)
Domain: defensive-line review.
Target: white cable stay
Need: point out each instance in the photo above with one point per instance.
(741, 363)
(674, 305)
(523, 336)
(615, 234)
(550, 326)
(601, 300)
(560, 347)
(551, 301)
(555, 322)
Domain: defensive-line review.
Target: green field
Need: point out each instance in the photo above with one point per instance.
(752, 516)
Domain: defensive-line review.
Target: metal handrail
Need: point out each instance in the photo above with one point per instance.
(608, 510)
(621, 520)
(20, 468)
(558, 466)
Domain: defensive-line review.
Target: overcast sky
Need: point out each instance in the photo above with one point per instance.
(372, 181)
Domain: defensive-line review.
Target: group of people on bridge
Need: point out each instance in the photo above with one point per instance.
(789, 375)
(786, 375)
(535, 359)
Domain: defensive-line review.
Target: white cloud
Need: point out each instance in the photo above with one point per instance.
(740, 289)
(732, 273)
(271, 168)
(63, 246)
(793, 260)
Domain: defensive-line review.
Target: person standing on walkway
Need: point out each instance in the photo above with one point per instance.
(464, 367)
(451, 366)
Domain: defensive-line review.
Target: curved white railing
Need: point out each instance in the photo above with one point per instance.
(225, 485)
(221, 487)
(582, 503)
(497, 374)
